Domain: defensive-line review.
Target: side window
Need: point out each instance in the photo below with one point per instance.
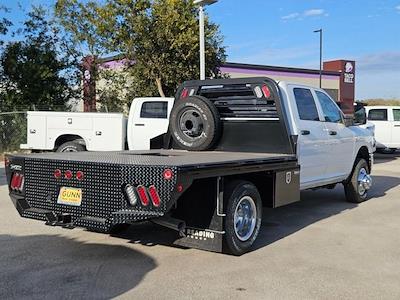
(306, 104)
(154, 110)
(396, 114)
(377, 114)
(329, 108)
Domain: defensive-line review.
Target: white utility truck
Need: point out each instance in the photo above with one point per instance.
(387, 127)
(232, 146)
(74, 132)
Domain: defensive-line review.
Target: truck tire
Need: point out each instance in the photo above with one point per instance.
(195, 123)
(357, 186)
(243, 216)
(71, 147)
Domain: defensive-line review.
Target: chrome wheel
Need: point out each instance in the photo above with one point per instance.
(364, 181)
(192, 124)
(245, 218)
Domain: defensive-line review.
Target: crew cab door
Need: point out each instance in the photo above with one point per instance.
(312, 142)
(148, 119)
(341, 140)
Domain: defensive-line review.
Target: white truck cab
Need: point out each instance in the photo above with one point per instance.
(387, 126)
(76, 131)
(322, 135)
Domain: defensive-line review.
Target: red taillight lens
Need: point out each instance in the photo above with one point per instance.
(155, 198)
(185, 93)
(179, 188)
(266, 91)
(17, 182)
(168, 174)
(57, 173)
(141, 190)
(79, 175)
(68, 174)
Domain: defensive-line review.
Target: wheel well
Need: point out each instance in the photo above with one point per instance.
(364, 153)
(68, 138)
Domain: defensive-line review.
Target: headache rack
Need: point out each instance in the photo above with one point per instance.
(237, 100)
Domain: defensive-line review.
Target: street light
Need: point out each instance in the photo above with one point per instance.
(202, 4)
(320, 56)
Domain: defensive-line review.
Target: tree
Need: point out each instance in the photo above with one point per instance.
(161, 37)
(33, 69)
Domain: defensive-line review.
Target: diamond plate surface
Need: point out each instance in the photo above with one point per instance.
(103, 199)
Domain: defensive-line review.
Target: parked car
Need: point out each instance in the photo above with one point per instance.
(233, 145)
(73, 131)
(387, 127)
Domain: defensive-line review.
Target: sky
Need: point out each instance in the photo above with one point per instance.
(280, 33)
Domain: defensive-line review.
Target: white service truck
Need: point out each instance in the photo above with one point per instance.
(387, 127)
(77, 131)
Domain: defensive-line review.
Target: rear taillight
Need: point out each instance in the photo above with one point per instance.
(155, 198)
(79, 175)
(68, 174)
(266, 91)
(184, 93)
(168, 174)
(141, 190)
(57, 173)
(17, 182)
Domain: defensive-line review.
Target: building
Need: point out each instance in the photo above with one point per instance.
(338, 77)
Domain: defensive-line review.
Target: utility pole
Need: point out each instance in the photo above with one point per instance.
(202, 4)
(320, 56)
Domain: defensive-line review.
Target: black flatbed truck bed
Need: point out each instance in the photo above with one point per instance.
(190, 185)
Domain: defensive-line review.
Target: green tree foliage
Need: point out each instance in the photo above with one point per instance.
(33, 75)
(384, 102)
(32, 70)
(160, 36)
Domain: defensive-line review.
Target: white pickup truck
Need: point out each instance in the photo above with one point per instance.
(232, 147)
(387, 127)
(73, 132)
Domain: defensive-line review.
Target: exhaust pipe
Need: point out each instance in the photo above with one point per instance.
(171, 223)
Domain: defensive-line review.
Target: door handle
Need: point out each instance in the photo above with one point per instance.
(332, 132)
(32, 131)
(305, 132)
(98, 132)
(139, 124)
(396, 125)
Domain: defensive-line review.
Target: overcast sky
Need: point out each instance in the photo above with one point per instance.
(281, 33)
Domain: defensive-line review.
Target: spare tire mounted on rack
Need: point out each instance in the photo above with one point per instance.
(195, 123)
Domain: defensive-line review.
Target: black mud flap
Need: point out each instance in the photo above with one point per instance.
(202, 209)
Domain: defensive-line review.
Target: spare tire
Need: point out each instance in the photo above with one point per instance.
(195, 123)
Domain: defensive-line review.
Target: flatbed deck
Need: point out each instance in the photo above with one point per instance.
(173, 158)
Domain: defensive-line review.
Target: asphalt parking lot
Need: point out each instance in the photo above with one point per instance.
(319, 248)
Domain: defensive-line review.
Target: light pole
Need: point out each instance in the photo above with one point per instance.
(202, 4)
(320, 56)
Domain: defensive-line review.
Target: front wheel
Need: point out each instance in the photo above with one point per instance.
(357, 186)
(243, 216)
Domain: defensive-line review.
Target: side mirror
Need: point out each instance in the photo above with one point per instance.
(348, 121)
(360, 116)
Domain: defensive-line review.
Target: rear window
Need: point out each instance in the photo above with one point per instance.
(154, 110)
(306, 104)
(396, 114)
(377, 115)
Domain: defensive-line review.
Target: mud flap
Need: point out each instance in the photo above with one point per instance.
(203, 212)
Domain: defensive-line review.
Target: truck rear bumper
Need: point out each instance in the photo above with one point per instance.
(68, 220)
